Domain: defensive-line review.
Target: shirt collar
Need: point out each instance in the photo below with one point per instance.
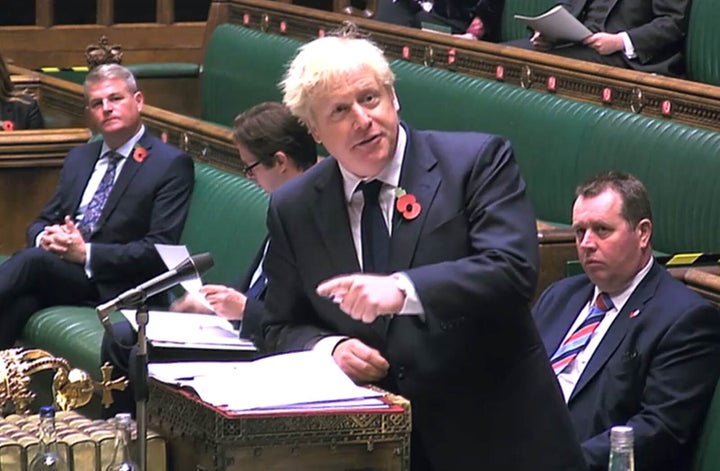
(390, 175)
(620, 299)
(126, 148)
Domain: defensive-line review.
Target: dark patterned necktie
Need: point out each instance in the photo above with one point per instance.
(576, 343)
(375, 236)
(92, 213)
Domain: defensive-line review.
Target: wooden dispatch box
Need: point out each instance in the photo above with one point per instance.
(201, 437)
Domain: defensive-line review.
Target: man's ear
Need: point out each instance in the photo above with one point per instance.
(644, 231)
(281, 160)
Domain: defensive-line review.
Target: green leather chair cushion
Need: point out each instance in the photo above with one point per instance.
(158, 70)
(702, 49)
(707, 454)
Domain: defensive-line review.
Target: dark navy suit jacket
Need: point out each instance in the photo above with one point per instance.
(655, 369)
(147, 205)
(23, 111)
(483, 395)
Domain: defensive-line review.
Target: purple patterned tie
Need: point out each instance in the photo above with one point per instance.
(574, 344)
(91, 216)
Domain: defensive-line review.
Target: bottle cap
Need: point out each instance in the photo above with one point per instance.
(123, 417)
(621, 435)
(47, 411)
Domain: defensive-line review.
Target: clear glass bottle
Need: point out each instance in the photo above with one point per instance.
(621, 449)
(122, 459)
(48, 456)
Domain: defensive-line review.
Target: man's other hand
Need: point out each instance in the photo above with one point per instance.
(361, 363)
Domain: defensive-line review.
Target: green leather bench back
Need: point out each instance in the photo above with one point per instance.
(226, 218)
(707, 454)
(560, 142)
(241, 68)
(702, 50)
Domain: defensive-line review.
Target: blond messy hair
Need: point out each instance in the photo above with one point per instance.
(324, 62)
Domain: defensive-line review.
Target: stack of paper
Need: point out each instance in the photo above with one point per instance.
(290, 381)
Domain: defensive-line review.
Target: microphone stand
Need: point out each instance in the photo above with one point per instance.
(141, 384)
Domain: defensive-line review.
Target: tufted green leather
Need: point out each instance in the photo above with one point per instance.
(226, 218)
(707, 456)
(241, 68)
(702, 49)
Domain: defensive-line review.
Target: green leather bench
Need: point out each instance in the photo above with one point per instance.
(226, 218)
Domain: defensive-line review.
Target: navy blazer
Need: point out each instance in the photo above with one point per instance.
(657, 29)
(23, 111)
(655, 369)
(472, 256)
(250, 327)
(147, 205)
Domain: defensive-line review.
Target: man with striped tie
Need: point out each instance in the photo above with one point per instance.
(628, 343)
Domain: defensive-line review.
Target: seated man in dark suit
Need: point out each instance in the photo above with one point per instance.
(410, 257)
(644, 35)
(17, 110)
(647, 354)
(274, 147)
(115, 199)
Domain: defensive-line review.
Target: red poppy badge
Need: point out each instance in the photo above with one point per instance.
(139, 153)
(406, 204)
(8, 125)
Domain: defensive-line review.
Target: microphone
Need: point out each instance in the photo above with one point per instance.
(188, 269)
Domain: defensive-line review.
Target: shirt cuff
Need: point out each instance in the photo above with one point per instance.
(37, 238)
(412, 304)
(326, 345)
(88, 251)
(629, 49)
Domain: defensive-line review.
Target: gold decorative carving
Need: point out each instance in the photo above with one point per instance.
(429, 57)
(526, 76)
(637, 100)
(103, 53)
(71, 387)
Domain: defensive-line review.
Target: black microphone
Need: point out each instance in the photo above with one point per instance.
(188, 269)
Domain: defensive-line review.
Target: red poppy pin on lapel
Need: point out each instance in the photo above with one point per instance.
(8, 125)
(406, 204)
(634, 313)
(139, 153)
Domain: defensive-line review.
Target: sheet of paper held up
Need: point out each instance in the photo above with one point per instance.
(557, 23)
(188, 330)
(172, 256)
(285, 382)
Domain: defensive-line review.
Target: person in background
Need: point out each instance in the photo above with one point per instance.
(17, 110)
(115, 199)
(274, 147)
(629, 344)
(470, 19)
(648, 36)
(410, 257)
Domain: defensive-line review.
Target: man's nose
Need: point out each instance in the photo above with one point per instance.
(362, 117)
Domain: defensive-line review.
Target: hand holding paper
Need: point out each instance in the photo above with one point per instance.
(557, 24)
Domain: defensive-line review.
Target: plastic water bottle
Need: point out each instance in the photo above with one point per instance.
(621, 449)
(122, 459)
(47, 457)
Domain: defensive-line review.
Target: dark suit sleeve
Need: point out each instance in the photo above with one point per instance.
(56, 208)
(167, 217)
(490, 12)
(252, 319)
(678, 386)
(34, 118)
(667, 30)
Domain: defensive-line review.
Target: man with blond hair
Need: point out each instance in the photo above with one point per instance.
(410, 257)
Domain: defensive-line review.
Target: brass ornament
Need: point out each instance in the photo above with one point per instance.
(71, 387)
(103, 53)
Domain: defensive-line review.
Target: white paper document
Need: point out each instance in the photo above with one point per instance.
(557, 23)
(286, 382)
(189, 330)
(174, 255)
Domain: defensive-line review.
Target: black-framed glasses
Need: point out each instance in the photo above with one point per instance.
(247, 170)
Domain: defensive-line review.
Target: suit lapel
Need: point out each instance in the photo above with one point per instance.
(620, 327)
(419, 178)
(130, 168)
(331, 217)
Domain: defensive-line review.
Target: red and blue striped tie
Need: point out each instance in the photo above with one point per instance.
(575, 343)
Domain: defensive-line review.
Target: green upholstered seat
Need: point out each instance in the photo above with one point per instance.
(226, 218)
